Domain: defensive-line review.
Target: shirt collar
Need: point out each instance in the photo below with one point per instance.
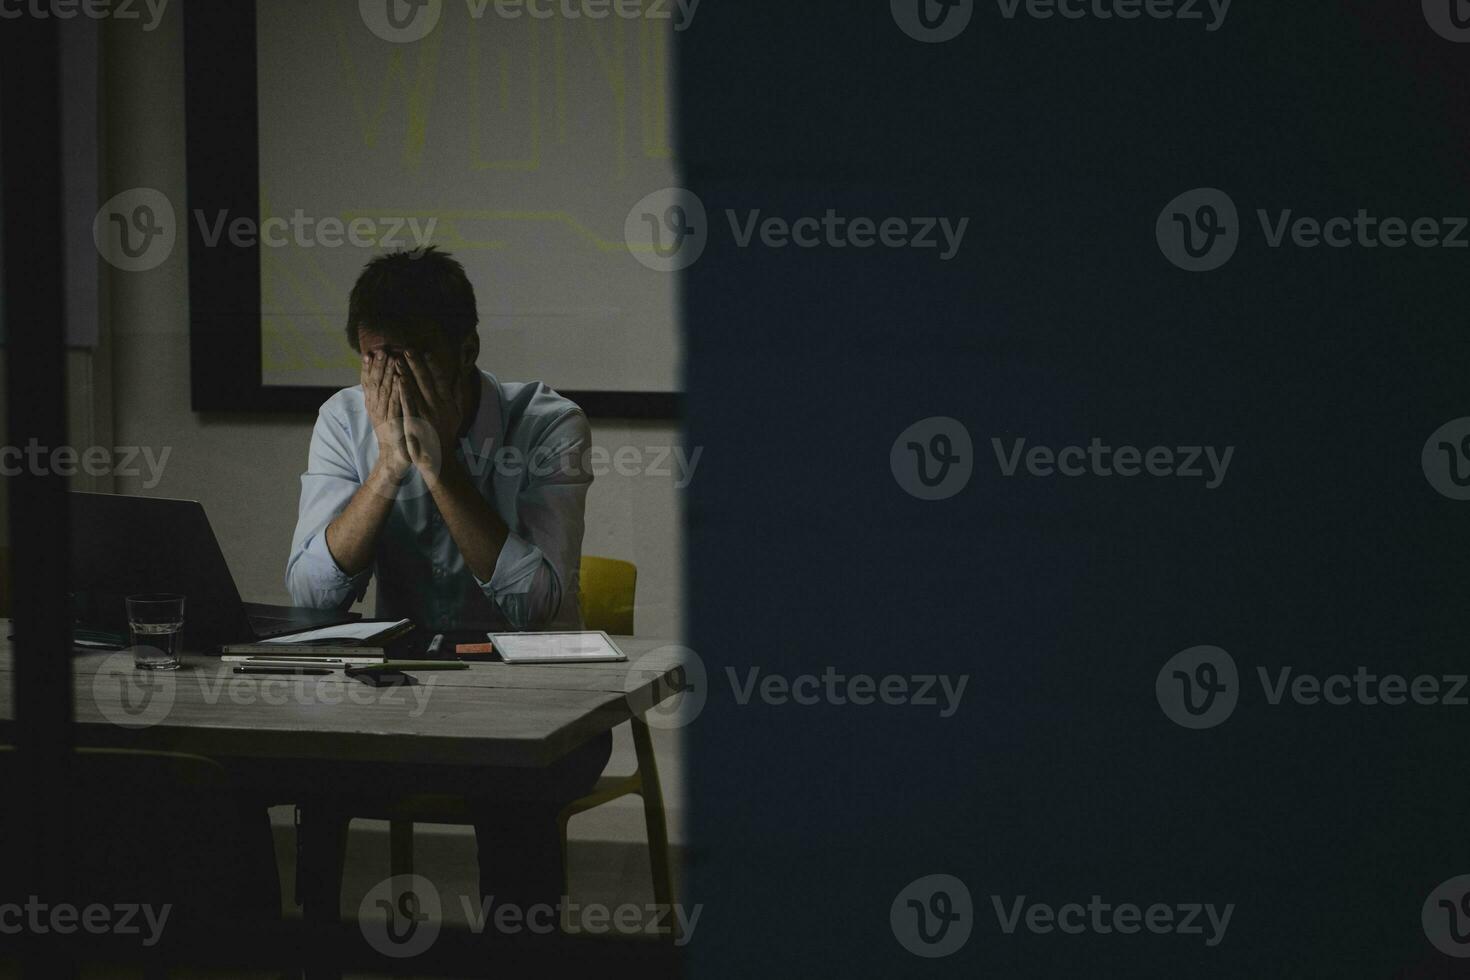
(487, 431)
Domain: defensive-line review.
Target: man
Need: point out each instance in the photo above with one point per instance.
(464, 495)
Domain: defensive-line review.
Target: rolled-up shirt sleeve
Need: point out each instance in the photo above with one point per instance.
(331, 478)
(536, 578)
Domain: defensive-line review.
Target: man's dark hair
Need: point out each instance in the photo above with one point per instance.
(407, 288)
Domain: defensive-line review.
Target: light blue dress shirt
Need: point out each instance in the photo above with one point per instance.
(526, 451)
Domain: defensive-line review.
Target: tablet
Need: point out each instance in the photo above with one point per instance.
(556, 648)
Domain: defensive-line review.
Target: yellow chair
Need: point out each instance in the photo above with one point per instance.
(608, 588)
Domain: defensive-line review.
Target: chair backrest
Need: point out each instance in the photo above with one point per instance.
(156, 828)
(609, 588)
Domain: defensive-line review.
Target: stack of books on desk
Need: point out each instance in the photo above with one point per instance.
(344, 645)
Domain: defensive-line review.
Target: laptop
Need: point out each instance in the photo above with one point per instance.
(121, 546)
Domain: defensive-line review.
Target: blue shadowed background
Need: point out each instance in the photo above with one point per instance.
(1060, 320)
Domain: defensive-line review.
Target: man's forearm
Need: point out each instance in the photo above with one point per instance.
(352, 536)
(476, 528)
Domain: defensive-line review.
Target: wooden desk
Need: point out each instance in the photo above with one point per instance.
(316, 739)
(490, 715)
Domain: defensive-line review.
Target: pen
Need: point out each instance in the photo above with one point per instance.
(261, 669)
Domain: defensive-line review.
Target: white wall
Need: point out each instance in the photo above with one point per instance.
(246, 468)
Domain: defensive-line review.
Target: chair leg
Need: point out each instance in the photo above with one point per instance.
(400, 847)
(653, 812)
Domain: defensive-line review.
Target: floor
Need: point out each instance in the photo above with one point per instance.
(602, 873)
(607, 859)
(606, 874)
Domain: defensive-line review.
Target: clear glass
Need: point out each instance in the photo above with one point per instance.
(156, 625)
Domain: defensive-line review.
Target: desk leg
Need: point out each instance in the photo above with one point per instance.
(321, 852)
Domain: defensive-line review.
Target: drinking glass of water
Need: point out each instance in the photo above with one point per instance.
(156, 624)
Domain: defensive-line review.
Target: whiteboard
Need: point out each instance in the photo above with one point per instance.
(520, 145)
